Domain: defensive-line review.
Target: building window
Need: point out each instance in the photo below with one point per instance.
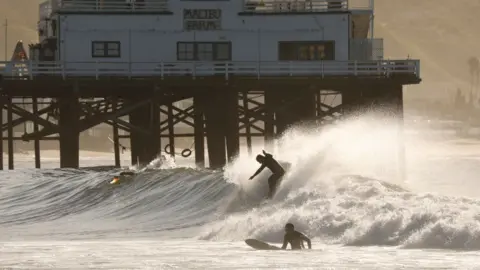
(106, 49)
(311, 52)
(204, 51)
(185, 51)
(223, 51)
(306, 51)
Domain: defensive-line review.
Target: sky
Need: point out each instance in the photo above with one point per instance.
(443, 34)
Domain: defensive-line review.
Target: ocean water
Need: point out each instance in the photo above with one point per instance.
(342, 189)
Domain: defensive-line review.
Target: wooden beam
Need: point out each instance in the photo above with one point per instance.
(176, 120)
(87, 123)
(21, 120)
(179, 117)
(32, 117)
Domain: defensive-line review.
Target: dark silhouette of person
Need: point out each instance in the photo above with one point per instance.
(278, 172)
(294, 238)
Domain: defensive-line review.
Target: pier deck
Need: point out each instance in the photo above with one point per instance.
(292, 92)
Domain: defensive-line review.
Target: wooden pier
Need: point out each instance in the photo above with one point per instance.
(225, 101)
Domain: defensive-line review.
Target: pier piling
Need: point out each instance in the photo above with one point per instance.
(116, 143)
(171, 130)
(246, 122)
(270, 100)
(232, 132)
(2, 101)
(215, 127)
(36, 142)
(10, 133)
(199, 131)
(144, 138)
(69, 131)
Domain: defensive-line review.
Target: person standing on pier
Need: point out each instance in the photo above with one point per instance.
(278, 172)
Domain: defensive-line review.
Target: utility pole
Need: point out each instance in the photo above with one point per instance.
(6, 39)
(372, 19)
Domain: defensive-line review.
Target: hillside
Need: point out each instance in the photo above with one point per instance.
(22, 20)
(442, 33)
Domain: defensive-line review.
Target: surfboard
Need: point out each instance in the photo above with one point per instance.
(257, 244)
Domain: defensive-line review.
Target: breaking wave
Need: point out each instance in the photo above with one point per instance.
(342, 188)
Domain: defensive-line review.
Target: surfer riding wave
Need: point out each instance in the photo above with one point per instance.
(267, 161)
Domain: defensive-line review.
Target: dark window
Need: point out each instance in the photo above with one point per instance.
(223, 51)
(185, 51)
(204, 51)
(106, 49)
(306, 51)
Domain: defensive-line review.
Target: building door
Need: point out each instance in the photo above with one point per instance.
(306, 51)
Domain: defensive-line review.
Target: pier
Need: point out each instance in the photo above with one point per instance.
(236, 90)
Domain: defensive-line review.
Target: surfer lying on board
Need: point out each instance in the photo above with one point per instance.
(294, 238)
(277, 170)
(122, 177)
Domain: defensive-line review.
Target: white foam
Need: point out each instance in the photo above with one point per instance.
(343, 188)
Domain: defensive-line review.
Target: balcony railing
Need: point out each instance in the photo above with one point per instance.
(366, 49)
(289, 6)
(110, 5)
(30, 70)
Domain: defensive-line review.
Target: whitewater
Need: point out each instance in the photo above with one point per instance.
(342, 189)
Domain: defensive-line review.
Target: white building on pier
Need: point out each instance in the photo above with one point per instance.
(200, 37)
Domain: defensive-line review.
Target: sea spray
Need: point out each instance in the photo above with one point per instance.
(343, 188)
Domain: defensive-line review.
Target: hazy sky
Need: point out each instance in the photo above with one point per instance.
(443, 34)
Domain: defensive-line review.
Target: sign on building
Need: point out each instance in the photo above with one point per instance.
(202, 19)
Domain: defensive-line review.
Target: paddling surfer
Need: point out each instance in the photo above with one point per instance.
(277, 170)
(123, 176)
(295, 238)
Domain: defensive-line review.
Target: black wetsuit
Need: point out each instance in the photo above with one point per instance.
(277, 171)
(295, 239)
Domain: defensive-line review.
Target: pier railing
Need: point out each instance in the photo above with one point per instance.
(292, 6)
(109, 6)
(96, 70)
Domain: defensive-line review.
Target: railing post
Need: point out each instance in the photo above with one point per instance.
(355, 68)
(161, 70)
(194, 70)
(63, 70)
(129, 69)
(258, 69)
(323, 69)
(30, 69)
(96, 70)
(226, 71)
